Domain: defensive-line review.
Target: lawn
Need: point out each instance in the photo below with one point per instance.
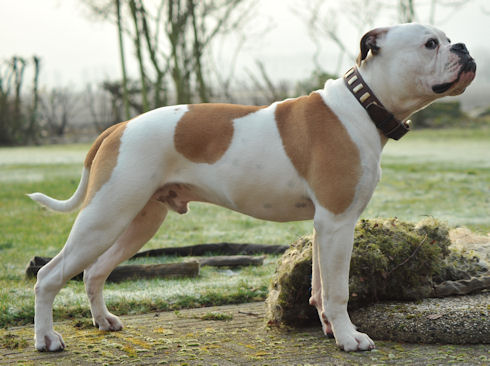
(440, 173)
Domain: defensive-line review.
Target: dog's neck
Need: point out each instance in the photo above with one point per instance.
(395, 96)
(385, 121)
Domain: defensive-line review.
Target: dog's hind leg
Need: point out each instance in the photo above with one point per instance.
(141, 229)
(95, 230)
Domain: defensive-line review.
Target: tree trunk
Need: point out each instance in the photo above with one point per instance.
(152, 47)
(32, 128)
(203, 92)
(125, 96)
(137, 43)
(406, 11)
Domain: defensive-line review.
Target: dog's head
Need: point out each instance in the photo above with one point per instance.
(410, 65)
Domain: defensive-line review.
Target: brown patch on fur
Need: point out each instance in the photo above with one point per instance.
(320, 149)
(204, 133)
(102, 158)
(95, 146)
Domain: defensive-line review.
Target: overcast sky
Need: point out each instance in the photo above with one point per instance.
(76, 49)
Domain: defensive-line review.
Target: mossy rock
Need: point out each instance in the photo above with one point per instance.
(391, 260)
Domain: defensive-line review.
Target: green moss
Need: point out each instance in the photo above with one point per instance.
(290, 286)
(216, 316)
(396, 260)
(391, 260)
(83, 323)
(12, 341)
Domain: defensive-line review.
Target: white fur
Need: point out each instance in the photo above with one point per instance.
(254, 176)
(66, 205)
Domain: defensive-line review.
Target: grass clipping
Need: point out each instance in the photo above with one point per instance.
(391, 260)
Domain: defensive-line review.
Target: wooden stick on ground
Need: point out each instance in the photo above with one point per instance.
(231, 261)
(221, 248)
(149, 271)
(164, 270)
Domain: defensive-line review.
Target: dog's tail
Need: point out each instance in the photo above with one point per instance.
(65, 205)
(77, 198)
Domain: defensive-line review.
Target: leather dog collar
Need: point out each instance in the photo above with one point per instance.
(384, 120)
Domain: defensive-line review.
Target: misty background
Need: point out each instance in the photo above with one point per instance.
(69, 69)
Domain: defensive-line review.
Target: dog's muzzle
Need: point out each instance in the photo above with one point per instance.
(468, 65)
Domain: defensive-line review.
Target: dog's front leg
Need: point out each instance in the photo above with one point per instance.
(316, 289)
(334, 242)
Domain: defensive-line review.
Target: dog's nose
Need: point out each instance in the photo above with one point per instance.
(460, 48)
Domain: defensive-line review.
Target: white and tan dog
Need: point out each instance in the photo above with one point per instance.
(314, 157)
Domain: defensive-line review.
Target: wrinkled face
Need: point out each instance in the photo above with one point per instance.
(419, 61)
(451, 65)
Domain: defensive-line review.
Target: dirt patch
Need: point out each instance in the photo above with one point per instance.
(240, 339)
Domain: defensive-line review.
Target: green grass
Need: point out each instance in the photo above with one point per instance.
(445, 174)
(440, 173)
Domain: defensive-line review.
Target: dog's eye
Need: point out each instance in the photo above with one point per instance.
(449, 41)
(431, 44)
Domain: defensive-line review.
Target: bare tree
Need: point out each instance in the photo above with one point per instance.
(323, 18)
(57, 109)
(452, 5)
(122, 57)
(33, 112)
(189, 27)
(406, 11)
(270, 91)
(137, 14)
(18, 118)
(99, 106)
(323, 22)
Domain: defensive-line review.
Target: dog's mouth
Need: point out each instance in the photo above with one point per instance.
(465, 77)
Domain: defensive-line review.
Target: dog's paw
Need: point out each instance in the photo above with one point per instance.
(354, 341)
(108, 322)
(50, 342)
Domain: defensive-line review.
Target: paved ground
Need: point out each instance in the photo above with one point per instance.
(240, 338)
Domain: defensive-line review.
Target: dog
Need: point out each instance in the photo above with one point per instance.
(314, 157)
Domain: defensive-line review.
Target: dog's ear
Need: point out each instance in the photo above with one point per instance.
(370, 42)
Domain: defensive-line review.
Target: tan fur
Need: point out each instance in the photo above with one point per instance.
(204, 133)
(102, 158)
(96, 145)
(177, 196)
(320, 149)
